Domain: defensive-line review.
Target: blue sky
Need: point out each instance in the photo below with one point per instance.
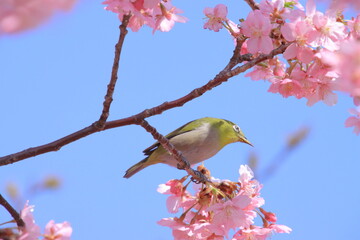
(52, 83)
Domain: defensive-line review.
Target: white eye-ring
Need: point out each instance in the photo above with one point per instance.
(236, 128)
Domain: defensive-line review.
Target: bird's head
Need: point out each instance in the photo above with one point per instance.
(230, 132)
(240, 135)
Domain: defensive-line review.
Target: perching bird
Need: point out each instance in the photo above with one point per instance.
(197, 140)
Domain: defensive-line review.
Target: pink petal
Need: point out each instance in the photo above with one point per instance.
(305, 55)
(220, 11)
(288, 31)
(266, 45)
(173, 204)
(291, 51)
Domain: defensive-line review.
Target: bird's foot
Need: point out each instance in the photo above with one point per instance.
(200, 177)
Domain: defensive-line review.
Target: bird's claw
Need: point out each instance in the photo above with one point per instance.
(201, 178)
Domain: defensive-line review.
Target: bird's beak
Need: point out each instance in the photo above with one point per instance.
(244, 140)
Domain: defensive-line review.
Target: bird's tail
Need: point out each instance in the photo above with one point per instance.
(136, 168)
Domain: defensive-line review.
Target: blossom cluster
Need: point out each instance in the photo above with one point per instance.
(20, 15)
(31, 231)
(158, 14)
(218, 208)
(323, 53)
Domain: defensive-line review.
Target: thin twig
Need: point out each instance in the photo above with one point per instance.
(252, 4)
(114, 74)
(257, 60)
(20, 223)
(235, 59)
(183, 163)
(58, 144)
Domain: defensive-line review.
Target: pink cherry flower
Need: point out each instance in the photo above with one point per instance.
(153, 13)
(279, 9)
(234, 30)
(321, 80)
(260, 72)
(354, 26)
(232, 214)
(258, 233)
(216, 16)
(328, 32)
(219, 208)
(166, 18)
(253, 233)
(322, 91)
(18, 15)
(58, 231)
(267, 70)
(246, 174)
(286, 87)
(257, 28)
(139, 15)
(182, 231)
(31, 230)
(345, 64)
(348, 67)
(277, 228)
(179, 197)
(249, 186)
(298, 32)
(354, 121)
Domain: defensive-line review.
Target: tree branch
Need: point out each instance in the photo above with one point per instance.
(16, 216)
(222, 77)
(114, 74)
(252, 4)
(235, 59)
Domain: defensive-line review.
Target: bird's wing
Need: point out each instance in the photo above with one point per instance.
(190, 126)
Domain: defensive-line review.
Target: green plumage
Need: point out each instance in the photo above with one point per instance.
(198, 140)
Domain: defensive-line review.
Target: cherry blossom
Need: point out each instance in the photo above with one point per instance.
(298, 32)
(220, 207)
(31, 230)
(19, 15)
(328, 31)
(179, 196)
(267, 70)
(257, 28)
(157, 14)
(250, 186)
(354, 121)
(254, 233)
(216, 16)
(346, 63)
(286, 87)
(354, 26)
(281, 9)
(232, 214)
(166, 19)
(182, 231)
(58, 231)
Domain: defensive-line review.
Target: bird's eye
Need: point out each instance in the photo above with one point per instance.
(236, 128)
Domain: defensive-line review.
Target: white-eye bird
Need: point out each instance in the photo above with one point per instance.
(197, 140)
